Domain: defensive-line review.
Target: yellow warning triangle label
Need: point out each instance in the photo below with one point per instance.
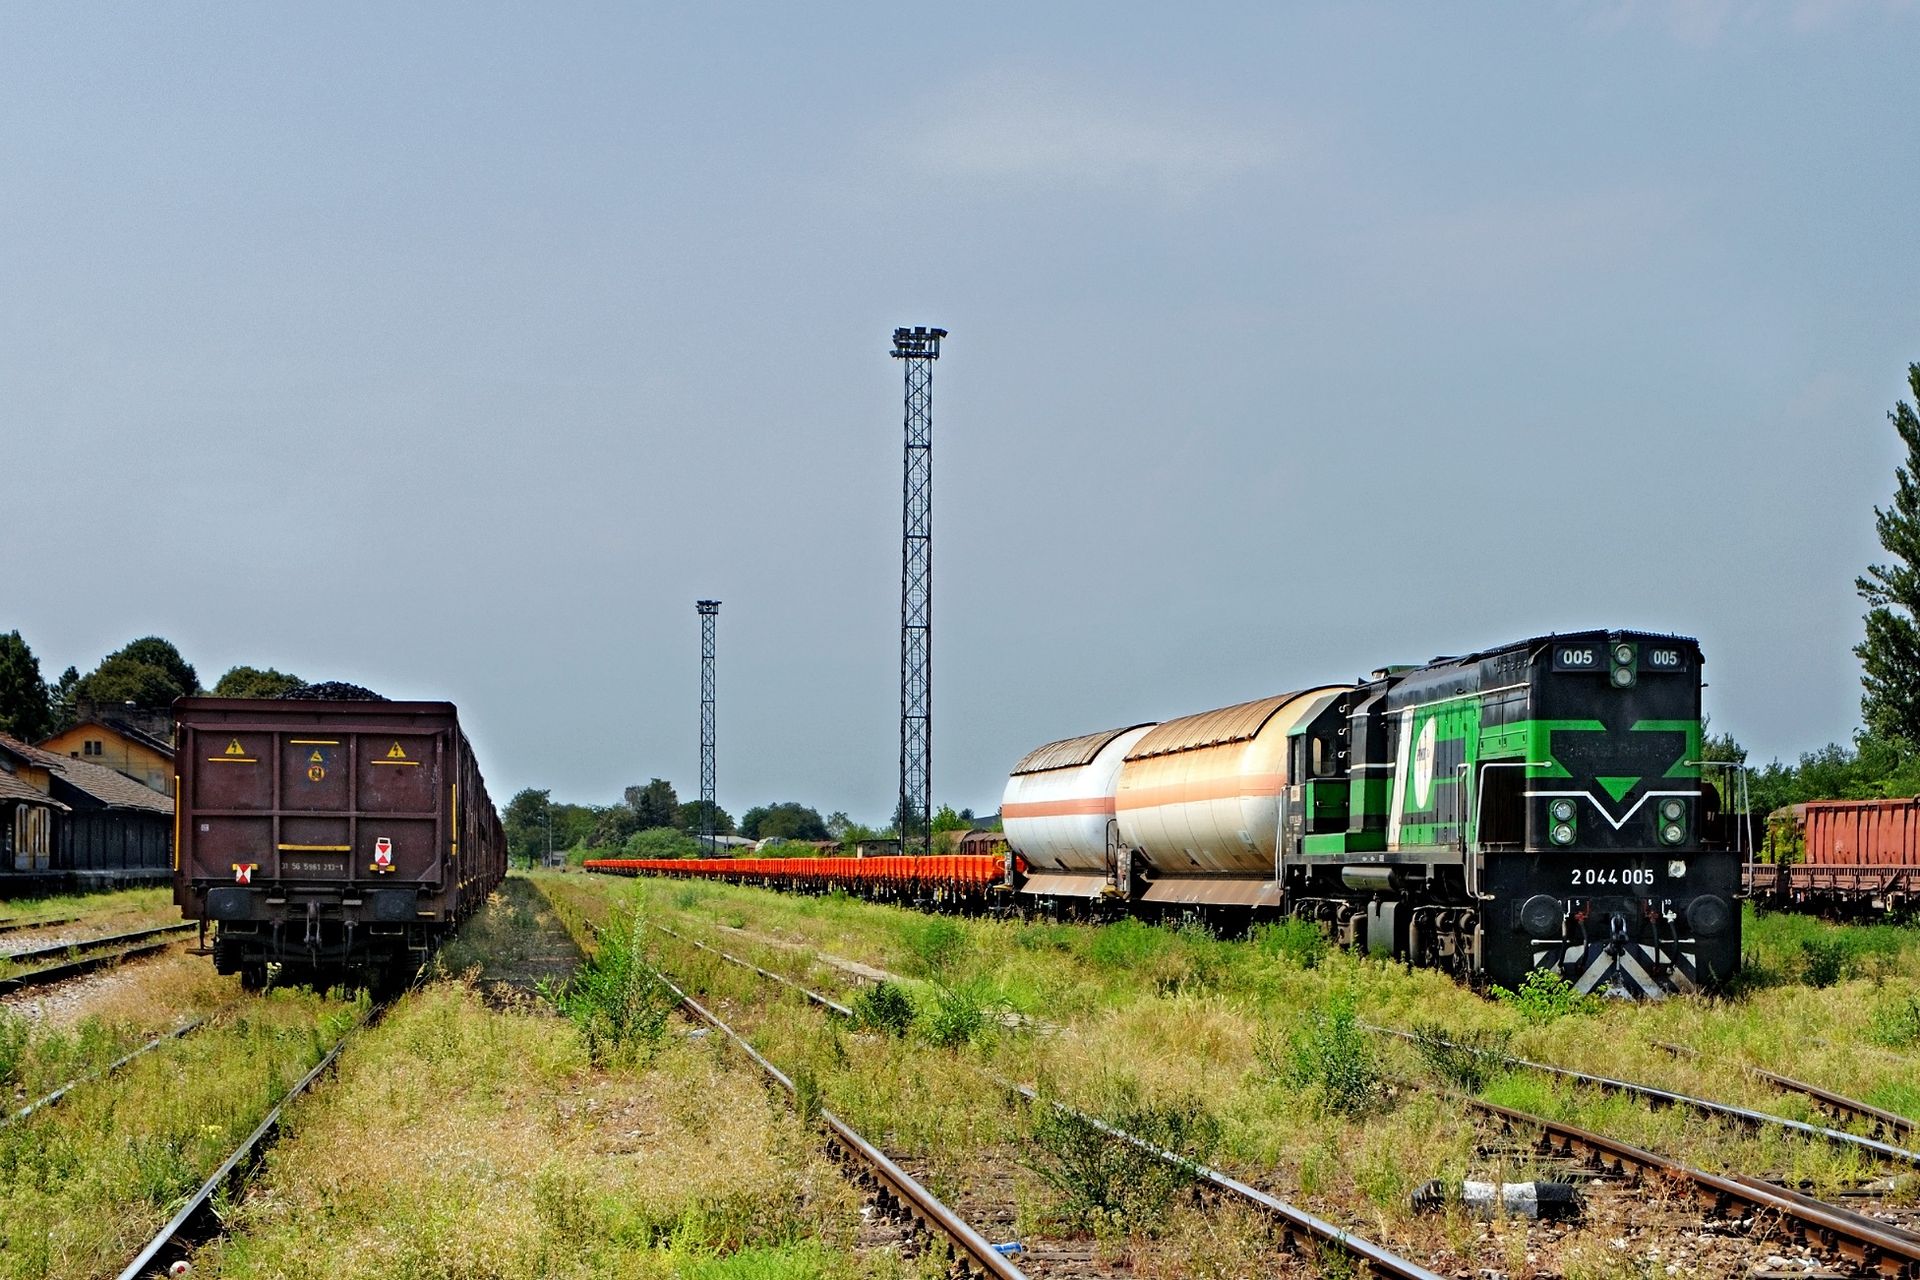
(316, 758)
(235, 749)
(395, 753)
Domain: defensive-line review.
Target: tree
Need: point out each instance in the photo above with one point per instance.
(526, 823)
(838, 824)
(251, 682)
(947, 826)
(120, 679)
(661, 842)
(693, 810)
(148, 672)
(25, 710)
(788, 820)
(655, 805)
(60, 698)
(1890, 654)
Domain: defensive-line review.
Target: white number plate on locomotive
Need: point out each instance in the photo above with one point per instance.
(1610, 877)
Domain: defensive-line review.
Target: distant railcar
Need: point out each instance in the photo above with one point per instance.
(340, 840)
(1843, 857)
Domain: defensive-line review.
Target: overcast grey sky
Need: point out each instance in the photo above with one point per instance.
(455, 350)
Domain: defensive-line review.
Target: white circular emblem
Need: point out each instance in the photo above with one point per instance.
(1423, 766)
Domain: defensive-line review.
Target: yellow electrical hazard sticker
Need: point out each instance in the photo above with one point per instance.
(235, 749)
(316, 758)
(395, 752)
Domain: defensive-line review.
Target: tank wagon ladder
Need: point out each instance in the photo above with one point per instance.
(1295, 1223)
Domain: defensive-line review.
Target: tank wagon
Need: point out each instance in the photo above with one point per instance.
(1858, 858)
(340, 840)
(1539, 805)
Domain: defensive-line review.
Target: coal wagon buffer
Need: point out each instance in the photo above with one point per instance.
(339, 840)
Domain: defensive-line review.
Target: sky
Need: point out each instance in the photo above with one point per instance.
(456, 350)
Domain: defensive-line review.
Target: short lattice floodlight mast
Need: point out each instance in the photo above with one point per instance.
(709, 615)
(918, 347)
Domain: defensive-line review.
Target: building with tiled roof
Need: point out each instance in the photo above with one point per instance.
(119, 744)
(60, 815)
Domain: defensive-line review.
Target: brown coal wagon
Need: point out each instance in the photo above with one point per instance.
(340, 840)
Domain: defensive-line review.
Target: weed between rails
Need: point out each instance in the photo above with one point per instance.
(616, 998)
(1109, 1186)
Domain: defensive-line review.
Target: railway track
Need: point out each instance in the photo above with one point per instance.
(46, 922)
(1867, 1242)
(1837, 1105)
(1296, 1225)
(50, 974)
(894, 1187)
(53, 1099)
(197, 1220)
(86, 944)
(1746, 1116)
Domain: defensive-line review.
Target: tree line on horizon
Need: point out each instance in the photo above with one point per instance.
(146, 674)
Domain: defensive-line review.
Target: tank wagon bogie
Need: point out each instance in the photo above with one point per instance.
(340, 840)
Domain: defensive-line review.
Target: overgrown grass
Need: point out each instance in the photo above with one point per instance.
(465, 1140)
(118, 902)
(83, 1185)
(1157, 1009)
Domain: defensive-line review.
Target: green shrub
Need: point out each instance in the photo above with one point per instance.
(884, 1006)
(1546, 996)
(1108, 1185)
(617, 1000)
(1894, 1022)
(661, 842)
(1332, 1058)
(1303, 942)
(1826, 960)
(1465, 1059)
(956, 1017)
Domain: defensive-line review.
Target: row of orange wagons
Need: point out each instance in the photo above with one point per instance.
(939, 877)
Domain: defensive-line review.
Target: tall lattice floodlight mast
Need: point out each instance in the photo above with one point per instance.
(918, 347)
(709, 616)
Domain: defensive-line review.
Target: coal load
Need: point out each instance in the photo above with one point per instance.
(332, 691)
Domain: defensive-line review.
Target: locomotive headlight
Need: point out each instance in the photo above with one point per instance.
(1562, 810)
(1623, 654)
(1563, 833)
(1673, 833)
(1622, 676)
(1672, 810)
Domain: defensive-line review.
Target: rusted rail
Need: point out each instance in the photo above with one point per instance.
(1886, 1124)
(1295, 1223)
(74, 968)
(102, 1072)
(1706, 1106)
(896, 1187)
(197, 1219)
(1878, 1246)
(85, 944)
(45, 922)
